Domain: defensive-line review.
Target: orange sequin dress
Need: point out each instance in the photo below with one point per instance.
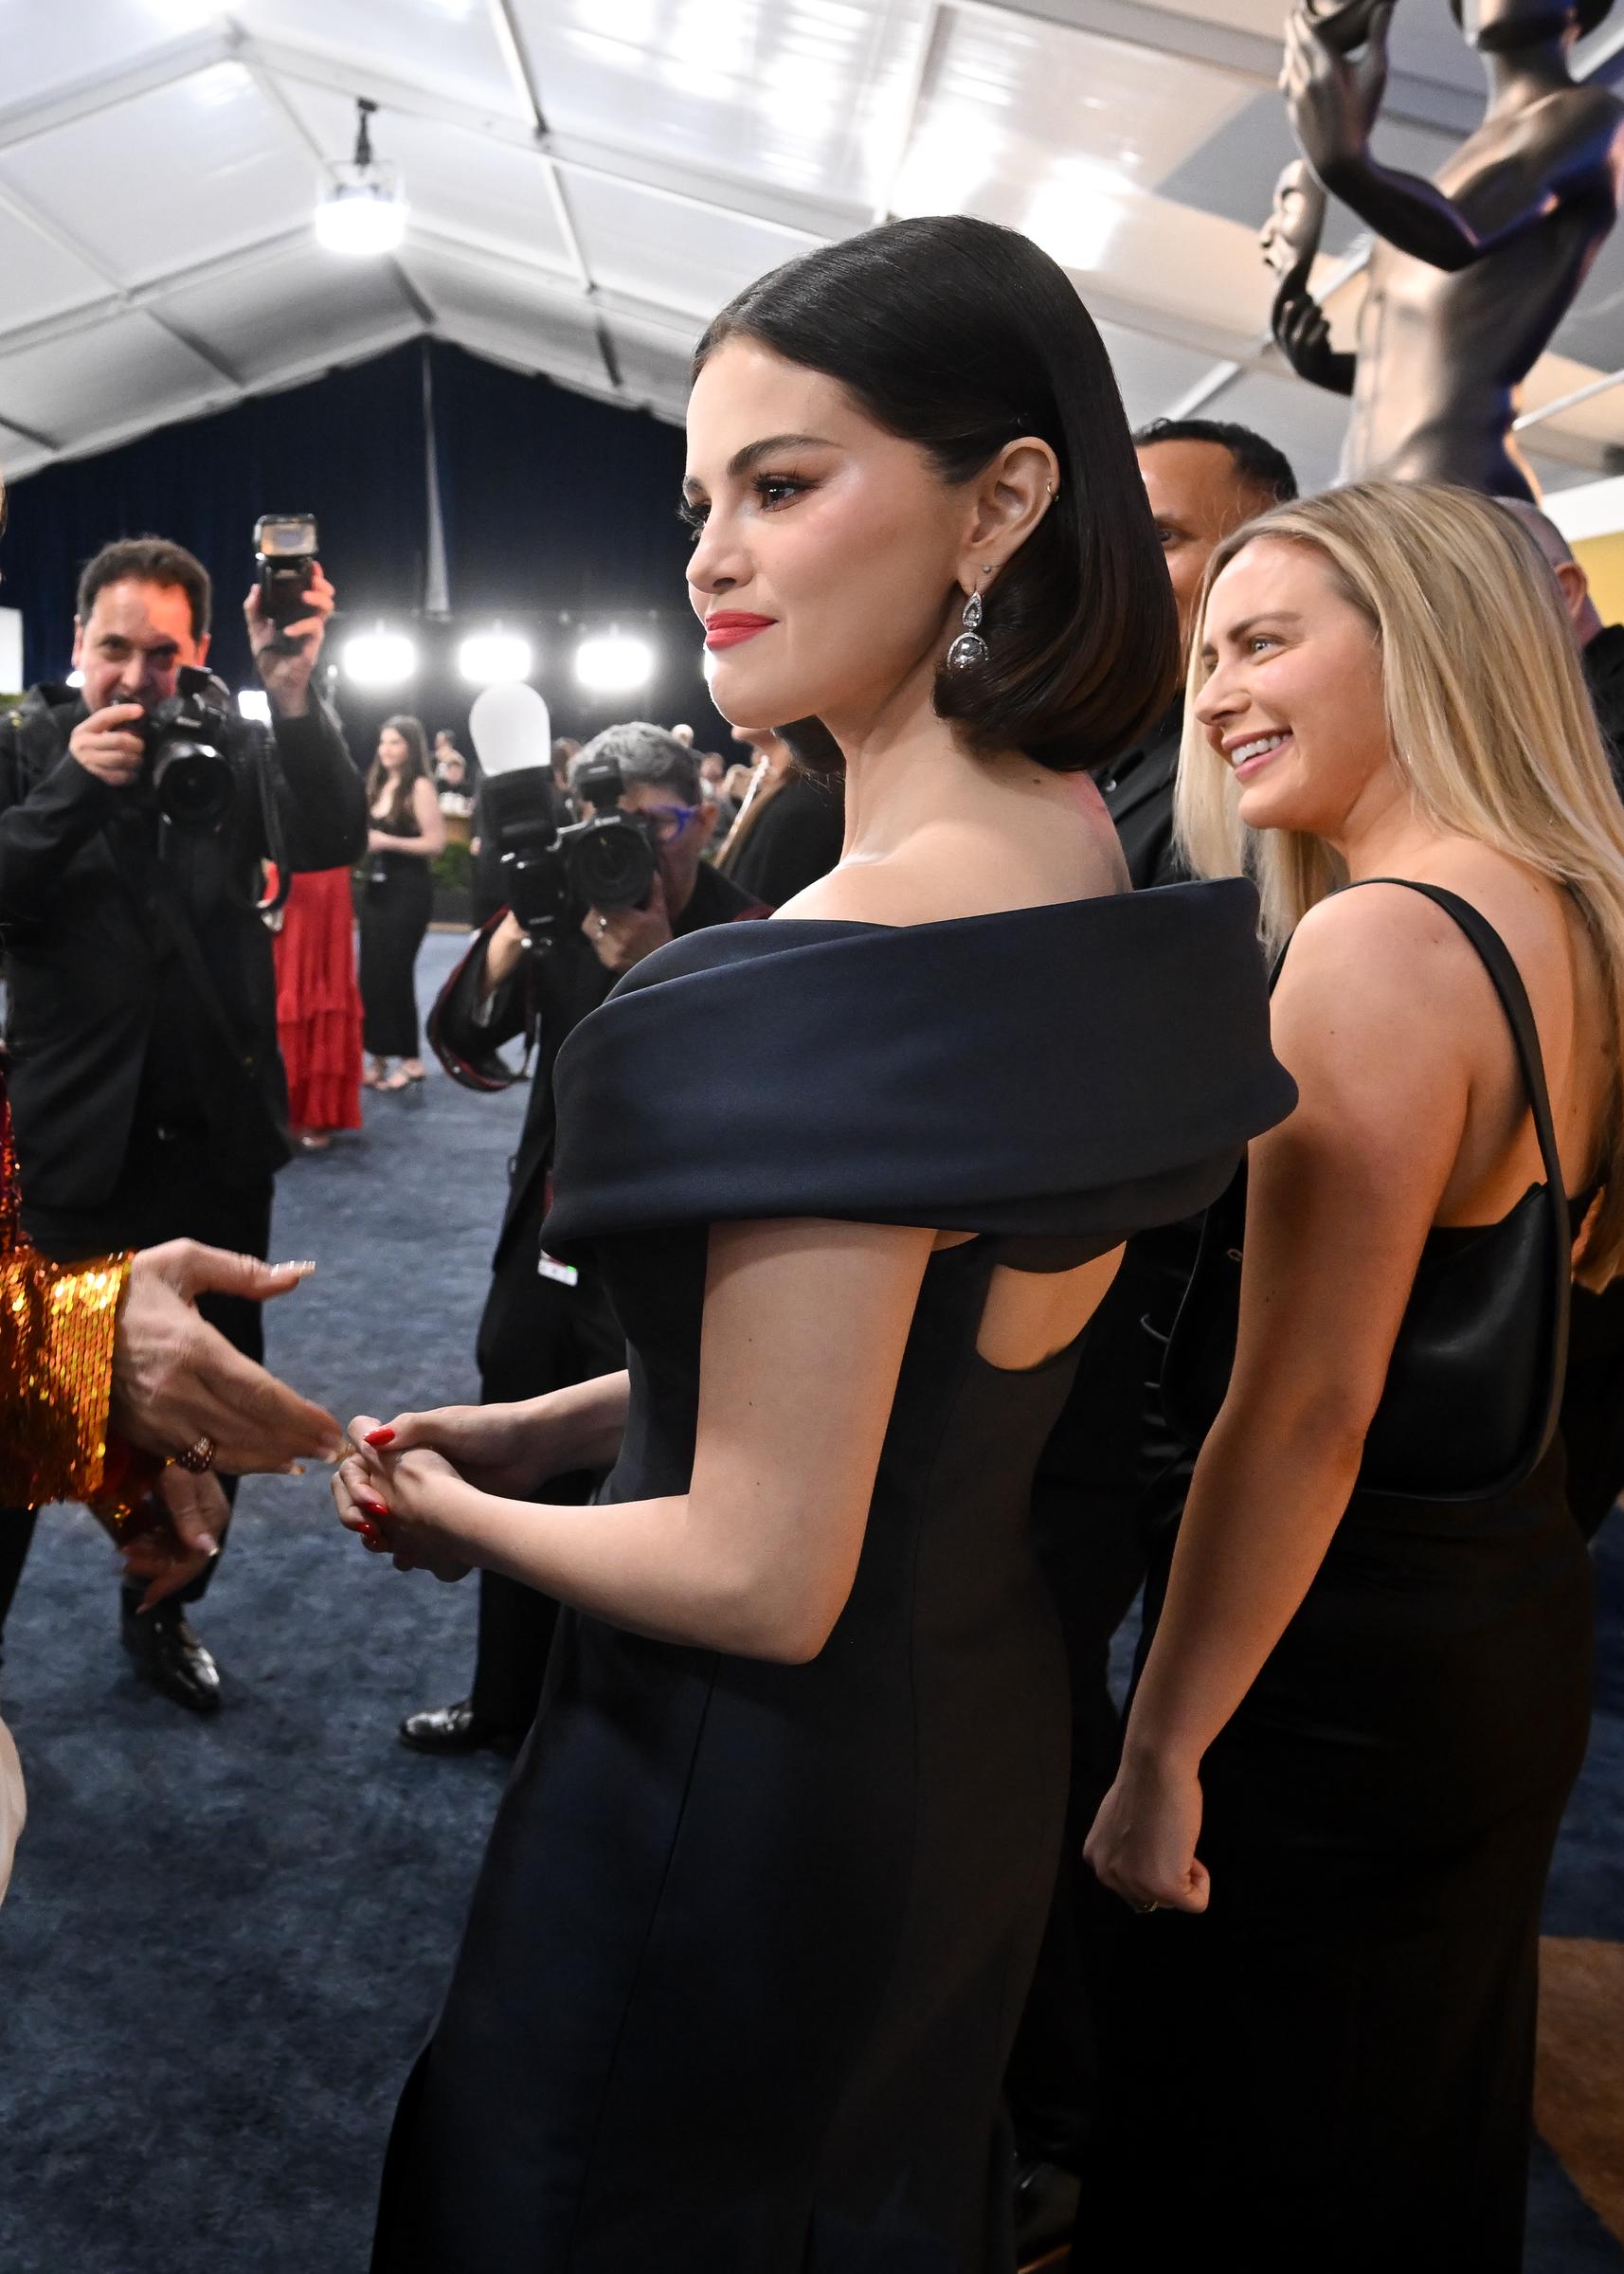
(57, 1323)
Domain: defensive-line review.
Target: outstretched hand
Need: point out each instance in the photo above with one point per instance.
(172, 1556)
(175, 1379)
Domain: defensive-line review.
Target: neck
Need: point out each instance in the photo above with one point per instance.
(1382, 834)
(907, 768)
(1520, 75)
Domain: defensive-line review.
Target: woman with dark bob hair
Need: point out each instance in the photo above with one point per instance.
(763, 1900)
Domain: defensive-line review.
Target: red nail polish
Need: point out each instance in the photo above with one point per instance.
(379, 1436)
(374, 1507)
(370, 1535)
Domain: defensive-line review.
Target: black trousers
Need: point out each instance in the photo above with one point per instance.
(394, 916)
(170, 1188)
(536, 1336)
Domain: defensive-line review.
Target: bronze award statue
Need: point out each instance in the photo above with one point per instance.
(1471, 274)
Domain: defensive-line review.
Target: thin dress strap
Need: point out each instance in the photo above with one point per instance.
(1499, 964)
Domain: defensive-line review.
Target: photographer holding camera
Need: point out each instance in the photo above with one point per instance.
(588, 904)
(147, 1089)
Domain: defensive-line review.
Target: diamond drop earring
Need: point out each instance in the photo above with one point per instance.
(969, 648)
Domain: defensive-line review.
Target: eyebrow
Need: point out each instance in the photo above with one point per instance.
(1247, 624)
(752, 454)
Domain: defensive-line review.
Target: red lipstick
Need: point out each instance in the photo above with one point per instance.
(728, 627)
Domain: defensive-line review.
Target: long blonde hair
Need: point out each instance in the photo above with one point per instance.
(1488, 723)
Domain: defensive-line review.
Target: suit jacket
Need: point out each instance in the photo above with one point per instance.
(104, 1018)
(547, 996)
(1137, 792)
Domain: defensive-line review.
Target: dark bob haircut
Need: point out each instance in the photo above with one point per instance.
(960, 336)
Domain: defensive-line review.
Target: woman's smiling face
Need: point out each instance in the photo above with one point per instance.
(1293, 701)
(827, 551)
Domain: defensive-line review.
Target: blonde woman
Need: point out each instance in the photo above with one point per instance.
(1367, 1695)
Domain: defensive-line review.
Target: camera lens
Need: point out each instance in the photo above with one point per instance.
(612, 862)
(191, 784)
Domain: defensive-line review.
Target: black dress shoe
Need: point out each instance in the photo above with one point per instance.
(170, 1656)
(457, 1729)
(1046, 2201)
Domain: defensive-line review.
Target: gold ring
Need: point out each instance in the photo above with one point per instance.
(197, 1458)
(1144, 1909)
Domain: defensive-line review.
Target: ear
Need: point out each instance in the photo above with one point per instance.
(78, 657)
(1010, 496)
(705, 822)
(1575, 588)
(203, 649)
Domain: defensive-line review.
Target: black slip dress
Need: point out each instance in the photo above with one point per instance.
(750, 1941)
(1333, 2067)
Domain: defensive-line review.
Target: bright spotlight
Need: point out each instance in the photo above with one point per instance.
(255, 703)
(379, 658)
(364, 212)
(486, 658)
(614, 663)
(76, 679)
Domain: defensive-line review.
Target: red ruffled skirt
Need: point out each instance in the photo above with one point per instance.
(318, 1004)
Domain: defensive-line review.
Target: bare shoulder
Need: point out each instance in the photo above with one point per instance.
(1381, 993)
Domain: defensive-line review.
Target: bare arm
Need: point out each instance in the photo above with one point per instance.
(757, 1557)
(1372, 1017)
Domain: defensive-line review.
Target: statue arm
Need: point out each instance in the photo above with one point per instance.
(1302, 334)
(1414, 216)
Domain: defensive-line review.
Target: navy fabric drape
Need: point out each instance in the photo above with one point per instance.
(551, 500)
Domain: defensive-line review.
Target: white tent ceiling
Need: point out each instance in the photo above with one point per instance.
(590, 179)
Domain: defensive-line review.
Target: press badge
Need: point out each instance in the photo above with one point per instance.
(550, 1268)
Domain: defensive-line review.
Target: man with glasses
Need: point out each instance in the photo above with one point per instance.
(547, 1325)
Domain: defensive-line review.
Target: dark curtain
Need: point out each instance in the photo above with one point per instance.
(553, 499)
(347, 447)
(550, 501)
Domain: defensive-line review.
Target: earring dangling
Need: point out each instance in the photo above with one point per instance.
(969, 649)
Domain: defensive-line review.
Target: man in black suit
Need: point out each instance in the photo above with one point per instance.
(1203, 478)
(549, 1325)
(147, 1089)
(1105, 1477)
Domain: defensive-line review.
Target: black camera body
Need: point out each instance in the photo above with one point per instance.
(554, 872)
(284, 555)
(187, 769)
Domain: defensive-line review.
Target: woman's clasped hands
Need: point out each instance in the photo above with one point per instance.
(410, 1487)
(392, 1493)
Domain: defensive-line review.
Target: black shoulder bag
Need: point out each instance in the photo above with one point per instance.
(1475, 1384)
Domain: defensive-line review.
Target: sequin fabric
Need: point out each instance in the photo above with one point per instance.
(56, 1357)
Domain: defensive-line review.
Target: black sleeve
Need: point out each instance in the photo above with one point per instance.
(42, 827)
(319, 791)
(459, 1005)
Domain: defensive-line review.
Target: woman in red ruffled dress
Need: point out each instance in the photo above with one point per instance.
(319, 1008)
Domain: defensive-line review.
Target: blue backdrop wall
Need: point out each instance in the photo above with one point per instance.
(549, 502)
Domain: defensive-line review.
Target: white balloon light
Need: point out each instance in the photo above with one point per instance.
(254, 702)
(612, 663)
(485, 657)
(379, 658)
(511, 728)
(365, 212)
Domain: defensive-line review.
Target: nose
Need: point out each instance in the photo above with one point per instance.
(1221, 697)
(715, 564)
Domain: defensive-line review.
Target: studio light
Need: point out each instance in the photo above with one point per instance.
(76, 679)
(379, 658)
(485, 657)
(612, 663)
(364, 212)
(254, 702)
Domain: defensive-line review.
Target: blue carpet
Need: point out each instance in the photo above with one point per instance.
(226, 1939)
